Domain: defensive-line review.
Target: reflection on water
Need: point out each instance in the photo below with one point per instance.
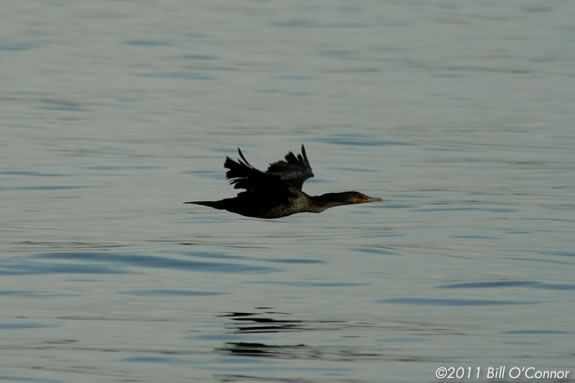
(332, 347)
(265, 320)
(263, 323)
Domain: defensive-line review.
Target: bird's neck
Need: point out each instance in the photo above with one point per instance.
(321, 202)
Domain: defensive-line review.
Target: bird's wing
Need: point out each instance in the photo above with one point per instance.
(243, 175)
(293, 170)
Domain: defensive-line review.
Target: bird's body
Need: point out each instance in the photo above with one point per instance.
(261, 205)
(277, 192)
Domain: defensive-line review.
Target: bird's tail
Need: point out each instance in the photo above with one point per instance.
(214, 204)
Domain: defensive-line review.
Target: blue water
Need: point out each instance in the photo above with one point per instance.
(458, 113)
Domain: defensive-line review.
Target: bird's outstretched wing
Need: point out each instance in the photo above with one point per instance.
(243, 175)
(293, 170)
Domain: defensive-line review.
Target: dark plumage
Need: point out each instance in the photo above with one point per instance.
(277, 191)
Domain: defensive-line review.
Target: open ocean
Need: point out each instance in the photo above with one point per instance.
(459, 113)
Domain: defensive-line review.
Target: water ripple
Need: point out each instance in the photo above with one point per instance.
(26, 267)
(153, 359)
(500, 284)
(161, 262)
(536, 332)
(466, 209)
(452, 302)
(146, 43)
(561, 253)
(44, 187)
(31, 173)
(88, 262)
(488, 284)
(24, 325)
(310, 283)
(198, 56)
(29, 293)
(7, 46)
(13, 378)
(180, 75)
(374, 250)
(359, 140)
(302, 23)
(172, 293)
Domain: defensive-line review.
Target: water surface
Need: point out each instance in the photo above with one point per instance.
(458, 113)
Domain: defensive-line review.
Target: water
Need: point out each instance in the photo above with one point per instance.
(458, 113)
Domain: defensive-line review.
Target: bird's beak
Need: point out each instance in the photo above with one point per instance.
(370, 199)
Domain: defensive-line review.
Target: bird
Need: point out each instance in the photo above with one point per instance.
(277, 192)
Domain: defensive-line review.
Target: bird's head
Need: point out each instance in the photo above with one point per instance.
(353, 197)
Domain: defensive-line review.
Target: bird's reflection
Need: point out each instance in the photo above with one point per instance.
(264, 321)
(260, 349)
(261, 331)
